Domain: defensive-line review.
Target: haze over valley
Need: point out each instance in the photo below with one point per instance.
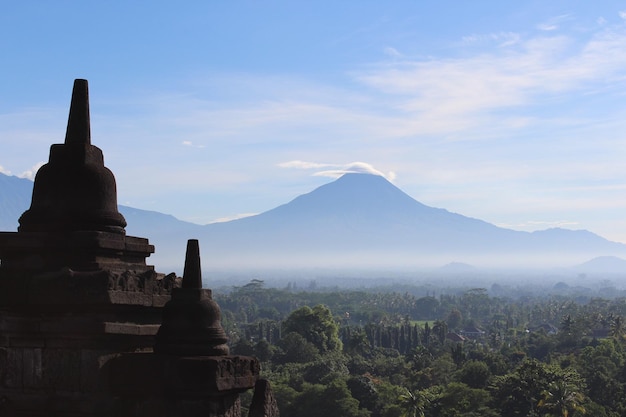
(358, 225)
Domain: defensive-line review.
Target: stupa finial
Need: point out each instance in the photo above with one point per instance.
(78, 124)
(192, 274)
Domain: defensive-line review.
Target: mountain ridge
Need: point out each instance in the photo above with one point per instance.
(358, 219)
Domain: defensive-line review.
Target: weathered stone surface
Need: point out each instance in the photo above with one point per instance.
(61, 369)
(3, 364)
(71, 289)
(13, 373)
(140, 375)
(78, 250)
(90, 363)
(224, 406)
(263, 401)
(32, 369)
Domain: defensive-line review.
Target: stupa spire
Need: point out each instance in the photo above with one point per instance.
(78, 124)
(192, 274)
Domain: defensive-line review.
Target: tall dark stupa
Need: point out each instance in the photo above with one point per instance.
(73, 221)
(74, 191)
(74, 289)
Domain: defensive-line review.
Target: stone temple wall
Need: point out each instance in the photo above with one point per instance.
(87, 328)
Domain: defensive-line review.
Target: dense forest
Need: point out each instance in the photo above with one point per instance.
(464, 352)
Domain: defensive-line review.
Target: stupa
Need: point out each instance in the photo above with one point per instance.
(73, 221)
(190, 372)
(80, 310)
(75, 290)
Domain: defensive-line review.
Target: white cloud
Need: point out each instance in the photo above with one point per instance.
(459, 94)
(4, 171)
(191, 144)
(508, 39)
(30, 173)
(532, 225)
(392, 52)
(553, 23)
(463, 98)
(502, 39)
(234, 217)
(547, 26)
(302, 165)
(622, 14)
(337, 170)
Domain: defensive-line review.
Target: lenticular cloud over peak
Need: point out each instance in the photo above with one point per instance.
(337, 170)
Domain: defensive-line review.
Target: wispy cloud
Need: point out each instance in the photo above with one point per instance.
(392, 52)
(191, 144)
(459, 94)
(337, 170)
(485, 94)
(303, 165)
(502, 39)
(234, 217)
(553, 23)
(30, 173)
(539, 224)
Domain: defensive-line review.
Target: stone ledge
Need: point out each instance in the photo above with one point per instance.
(143, 375)
(42, 251)
(131, 328)
(76, 332)
(67, 290)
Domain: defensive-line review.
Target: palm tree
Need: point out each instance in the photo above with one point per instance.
(617, 327)
(413, 403)
(560, 399)
(440, 328)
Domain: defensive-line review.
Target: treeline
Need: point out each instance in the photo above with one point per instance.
(465, 353)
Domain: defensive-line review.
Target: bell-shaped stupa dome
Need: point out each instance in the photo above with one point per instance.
(74, 191)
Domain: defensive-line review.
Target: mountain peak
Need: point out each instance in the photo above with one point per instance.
(363, 178)
(360, 175)
(355, 191)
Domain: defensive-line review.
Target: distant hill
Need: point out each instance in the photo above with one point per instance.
(358, 220)
(15, 194)
(603, 265)
(457, 267)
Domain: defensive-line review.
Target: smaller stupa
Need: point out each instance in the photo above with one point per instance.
(190, 372)
(191, 319)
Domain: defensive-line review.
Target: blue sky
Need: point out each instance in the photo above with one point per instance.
(511, 112)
